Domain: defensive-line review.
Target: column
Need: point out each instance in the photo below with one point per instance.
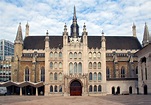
(20, 91)
(36, 91)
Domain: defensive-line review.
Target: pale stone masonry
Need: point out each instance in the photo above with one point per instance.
(73, 64)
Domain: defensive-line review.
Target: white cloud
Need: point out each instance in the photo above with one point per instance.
(115, 17)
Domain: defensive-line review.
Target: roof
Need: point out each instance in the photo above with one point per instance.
(145, 48)
(112, 42)
(115, 42)
(38, 42)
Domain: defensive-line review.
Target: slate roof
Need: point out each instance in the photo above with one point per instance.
(115, 42)
(112, 42)
(38, 42)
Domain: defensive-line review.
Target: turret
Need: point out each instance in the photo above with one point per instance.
(18, 43)
(84, 34)
(27, 30)
(18, 48)
(19, 37)
(65, 35)
(74, 26)
(103, 41)
(47, 41)
(146, 36)
(134, 30)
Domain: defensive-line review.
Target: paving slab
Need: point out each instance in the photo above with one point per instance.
(77, 100)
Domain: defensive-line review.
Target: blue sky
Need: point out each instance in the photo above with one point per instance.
(114, 17)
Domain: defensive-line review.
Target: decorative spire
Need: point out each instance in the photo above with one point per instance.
(47, 37)
(146, 35)
(74, 27)
(19, 38)
(102, 33)
(74, 14)
(65, 28)
(84, 28)
(47, 33)
(27, 30)
(134, 30)
(103, 37)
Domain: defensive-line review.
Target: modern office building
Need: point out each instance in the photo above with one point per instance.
(6, 48)
(5, 70)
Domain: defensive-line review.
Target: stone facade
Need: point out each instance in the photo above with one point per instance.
(95, 65)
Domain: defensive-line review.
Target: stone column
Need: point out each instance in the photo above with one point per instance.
(36, 91)
(20, 91)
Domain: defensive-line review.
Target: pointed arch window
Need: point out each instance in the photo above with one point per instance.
(95, 88)
(26, 74)
(51, 88)
(56, 55)
(90, 76)
(60, 54)
(56, 89)
(95, 76)
(99, 76)
(99, 55)
(70, 68)
(99, 65)
(99, 88)
(43, 74)
(51, 65)
(70, 55)
(55, 76)
(94, 55)
(90, 65)
(55, 65)
(51, 76)
(94, 65)
(60, 65)
(90, 55)
(60, 76)
(60, 88)
(51, 55)
(75, 67)
(80, 68)
(80, 55)
(75, 55)
(122, 72)
(90, 88)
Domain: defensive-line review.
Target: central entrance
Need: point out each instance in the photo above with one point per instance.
(75, 88)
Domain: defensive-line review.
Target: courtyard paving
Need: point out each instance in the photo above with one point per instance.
(73, 100)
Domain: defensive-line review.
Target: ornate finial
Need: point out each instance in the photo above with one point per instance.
(20, 23)
(134, 25)
(47, 33)
(65, 28)
(102, 33)
(74, 14)
(27, 24)
(84, 27)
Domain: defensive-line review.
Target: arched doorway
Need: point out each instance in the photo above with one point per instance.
(137, 90)
(145, 89)
(130, 90)
(75, 88)
(118, 90)
(113, 90)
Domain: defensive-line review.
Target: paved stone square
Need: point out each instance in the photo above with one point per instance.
(78, 100)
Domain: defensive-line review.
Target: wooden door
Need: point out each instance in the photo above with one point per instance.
(75, 88)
